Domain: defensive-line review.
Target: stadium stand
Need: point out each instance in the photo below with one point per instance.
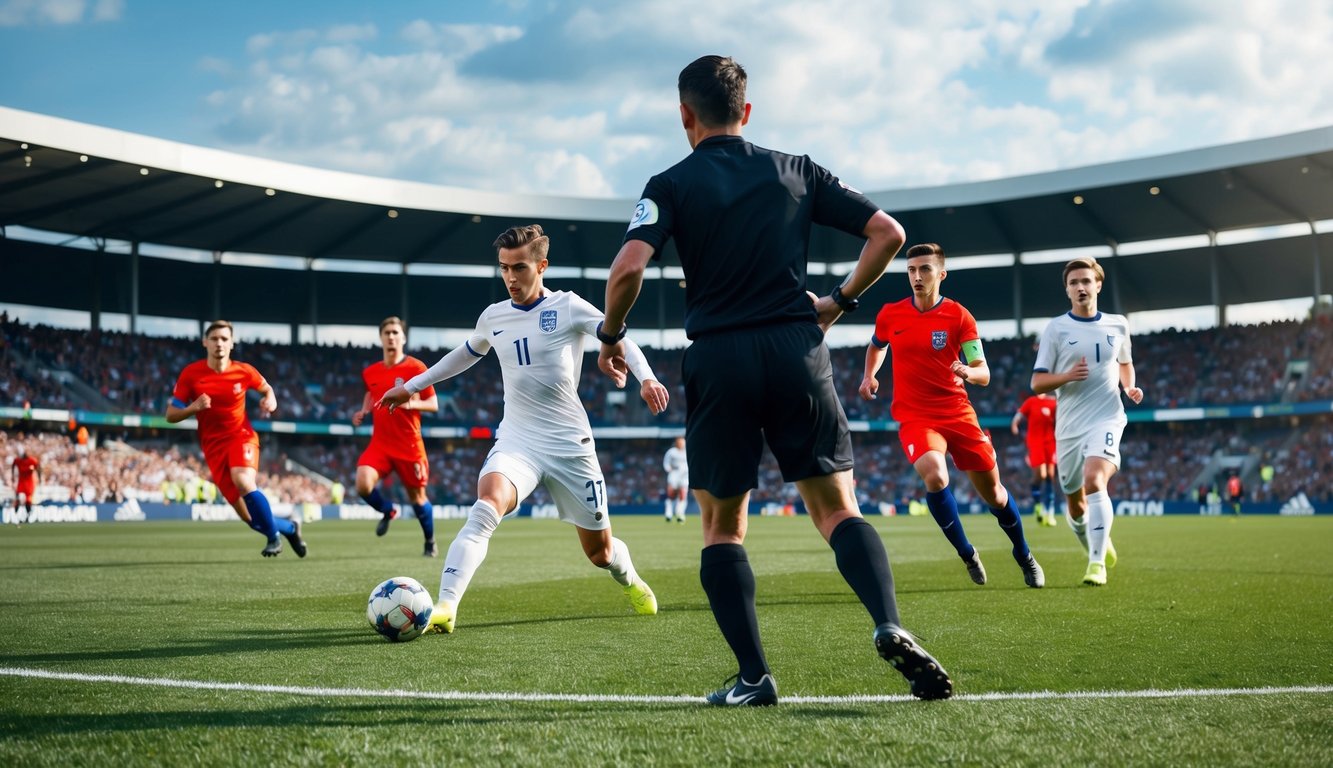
(1226, 366)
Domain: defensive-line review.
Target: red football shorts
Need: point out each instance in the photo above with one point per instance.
(26, 487)
(963, 440)
(222, 457)
(414, 472)
(1041, 452)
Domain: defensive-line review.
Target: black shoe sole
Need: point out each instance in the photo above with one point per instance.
(928, 679)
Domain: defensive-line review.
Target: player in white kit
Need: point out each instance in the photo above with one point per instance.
(1084, 357)
(677, 480)
(544, 436)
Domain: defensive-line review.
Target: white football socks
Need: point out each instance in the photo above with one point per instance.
(680, 508)
(621, 566)
(467, 551)
(1079, 526)
(1099, 517)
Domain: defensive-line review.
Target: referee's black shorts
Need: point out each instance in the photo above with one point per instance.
(771, 383)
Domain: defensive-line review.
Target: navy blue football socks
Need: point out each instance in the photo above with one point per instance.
(261, 516)
(377, 502)
(426, 516)
(1012, 525)
(864, 564)
(944, 508)
(724, 572)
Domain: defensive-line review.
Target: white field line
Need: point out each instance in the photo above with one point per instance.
(379, 693)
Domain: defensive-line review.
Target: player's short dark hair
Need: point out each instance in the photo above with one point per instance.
(216, 324)
(1088, 263)
(531, 235)
(714, 87)
(926, 249)
(393, 320)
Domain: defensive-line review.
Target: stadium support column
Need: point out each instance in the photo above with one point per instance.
(1018, 292)
(314, 301)
(217, 285)
(95, 315)
(402, 297)
(134, 287)
(1215, 279)
(1318, 276)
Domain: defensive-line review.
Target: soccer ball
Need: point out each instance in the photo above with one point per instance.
(399, 609)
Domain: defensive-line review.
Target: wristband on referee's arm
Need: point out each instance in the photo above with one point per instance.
(845, 303)
(607, 338)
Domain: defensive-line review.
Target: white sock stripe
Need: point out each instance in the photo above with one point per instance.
(483, 696)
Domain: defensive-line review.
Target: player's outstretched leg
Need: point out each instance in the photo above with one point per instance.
(621, 568)
(1011, 522)
(465, 555)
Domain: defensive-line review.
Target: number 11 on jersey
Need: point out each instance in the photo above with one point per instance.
(521, 348)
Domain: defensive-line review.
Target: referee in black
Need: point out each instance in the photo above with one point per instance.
(757, 368)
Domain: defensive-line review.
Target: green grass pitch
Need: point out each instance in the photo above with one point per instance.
(1202, 604)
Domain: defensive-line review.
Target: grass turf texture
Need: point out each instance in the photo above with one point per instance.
(1196, 603)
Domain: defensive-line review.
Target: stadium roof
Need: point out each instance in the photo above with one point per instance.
(87, 181)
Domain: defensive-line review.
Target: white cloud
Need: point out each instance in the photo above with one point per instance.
(580, 98)
(22, 13)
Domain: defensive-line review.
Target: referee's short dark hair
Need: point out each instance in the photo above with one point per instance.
(531, 235)
(714, 87)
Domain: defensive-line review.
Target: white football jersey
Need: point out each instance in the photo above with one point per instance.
(540, 348)
(674, 461)
(1104, 341)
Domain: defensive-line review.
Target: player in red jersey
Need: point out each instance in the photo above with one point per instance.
(928, 332)
(1039, 412)
(26, 472)
(395, 442)
(213, 391)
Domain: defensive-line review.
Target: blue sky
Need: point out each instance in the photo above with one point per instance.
(578, 98)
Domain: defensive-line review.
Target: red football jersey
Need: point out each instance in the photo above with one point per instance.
(1039, 410)
(27, 467)
(397, 433)
(224, 420)
(924, 346)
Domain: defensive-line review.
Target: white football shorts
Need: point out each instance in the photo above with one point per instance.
(575, 483)
(1102, 440)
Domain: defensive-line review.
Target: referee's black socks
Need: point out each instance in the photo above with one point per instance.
(724, 572)
(864, 564)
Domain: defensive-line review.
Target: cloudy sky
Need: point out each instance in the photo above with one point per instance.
(578, 98)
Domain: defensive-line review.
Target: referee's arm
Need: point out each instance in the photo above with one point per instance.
(624, 283)
(884, 237)
(622, 289)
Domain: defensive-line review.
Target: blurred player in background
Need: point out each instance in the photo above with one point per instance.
(395, 441)
(544, 436)
(1039, 413)
(213, 391)
(25, 472)
(677, 480)
(929, 334)
(1084, 356)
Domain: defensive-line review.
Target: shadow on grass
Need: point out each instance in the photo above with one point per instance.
(240, 642)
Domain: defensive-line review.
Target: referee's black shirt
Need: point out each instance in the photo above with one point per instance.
(741, 218)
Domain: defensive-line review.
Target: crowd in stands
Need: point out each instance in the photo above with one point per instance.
(135, 374)
(150, 470)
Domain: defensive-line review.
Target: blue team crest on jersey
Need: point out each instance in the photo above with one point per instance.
(939, 339)
(1110, 339)
(547, 320)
